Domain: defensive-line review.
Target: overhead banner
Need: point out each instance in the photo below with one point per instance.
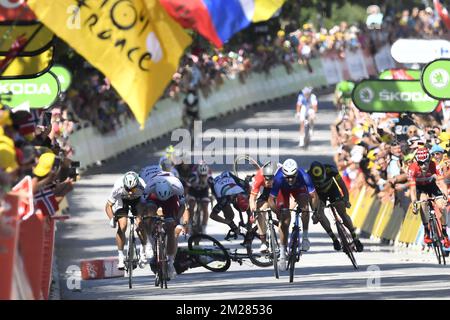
(63, 75)
(39, 37)
(28, 66)
(33, 93)
(436, 79)
(400, 74)
(419, 51)
(392, 96)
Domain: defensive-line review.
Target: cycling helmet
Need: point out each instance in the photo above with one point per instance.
(289, 168)
(317, 172)
(422, 154)
(179, 156)
(130, 180)
(166, 164)
(307, 90)
(242, 202)
(202, 168)
(163, 190)
(437, 148)
(269, 170)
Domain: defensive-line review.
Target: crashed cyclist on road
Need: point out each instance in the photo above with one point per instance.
(330, 186)
(292, 181)
(229, 190)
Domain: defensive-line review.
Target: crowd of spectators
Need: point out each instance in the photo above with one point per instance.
(376, 149)
(35, 143)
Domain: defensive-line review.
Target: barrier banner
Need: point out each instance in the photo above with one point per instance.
(383, 59)
(355, 65)
(372, 215)
(331, 69)
(410, 227)
(47, 258)
(383, 218)
(31, 248)
(362, 207)
(395, 220)
(8, 244)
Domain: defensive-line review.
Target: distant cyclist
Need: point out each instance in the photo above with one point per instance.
(295, 182)
(229, 190)
(307, 106)
(166, 165)
(125, 196)
(330, 186)
(198, 192)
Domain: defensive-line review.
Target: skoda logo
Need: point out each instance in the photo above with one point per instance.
(439, 78)
(366, 95)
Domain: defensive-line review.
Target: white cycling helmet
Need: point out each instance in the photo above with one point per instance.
(163, 190)
(130, 180)
(307, 90)
(289, 168)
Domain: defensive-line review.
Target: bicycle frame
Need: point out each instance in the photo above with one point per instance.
(160, 241)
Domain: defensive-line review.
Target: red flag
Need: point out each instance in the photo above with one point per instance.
(46, 201)
(11, 10)
(26, 208)
(400, 74)
(443, 13)
(28, 125)
(16, 48)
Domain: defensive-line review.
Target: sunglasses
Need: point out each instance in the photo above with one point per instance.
(412, 132)
(422, 163)
(291, 179)
(132, 190)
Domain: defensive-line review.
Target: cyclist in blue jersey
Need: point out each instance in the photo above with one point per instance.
(295, 182)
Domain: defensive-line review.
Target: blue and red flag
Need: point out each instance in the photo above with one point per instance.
(219, 20)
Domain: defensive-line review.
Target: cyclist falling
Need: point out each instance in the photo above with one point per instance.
(330, 186)
(164, 191)
(198, 192)
(262, 185)
(292, 181)
(125, 196)
(229, 190)
(306, 109)
(425, 180)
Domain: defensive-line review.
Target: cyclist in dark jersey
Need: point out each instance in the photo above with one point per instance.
(330, 186)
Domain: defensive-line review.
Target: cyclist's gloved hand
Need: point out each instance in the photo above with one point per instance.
(415, 208)
(112, 222)
(348, 205)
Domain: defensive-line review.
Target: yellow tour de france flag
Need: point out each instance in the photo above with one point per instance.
(133, 42)
(38, 36)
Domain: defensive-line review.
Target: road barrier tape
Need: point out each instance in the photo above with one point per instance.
(371, 216)
(410, 227)
(383, 218)
(363, 207)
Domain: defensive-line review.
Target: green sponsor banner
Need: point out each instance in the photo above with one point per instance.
(39, 92)
(392, 96)
(436, 79)
(387, 74)
(64, 76)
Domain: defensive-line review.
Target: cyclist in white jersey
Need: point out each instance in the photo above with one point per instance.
(125, 196)
(307, 105)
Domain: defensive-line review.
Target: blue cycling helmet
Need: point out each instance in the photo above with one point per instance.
(437, 148)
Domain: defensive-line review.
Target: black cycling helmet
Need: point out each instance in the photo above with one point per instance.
(317, 172)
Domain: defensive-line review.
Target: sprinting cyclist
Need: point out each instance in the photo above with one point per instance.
(295, 182)
(228, 190)
(425, 180)
(165, 191)
(306, 109)
(198, 192)
(330, 186)
(262, 186)
(125, 196)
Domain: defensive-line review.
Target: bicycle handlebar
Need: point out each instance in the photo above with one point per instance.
(429, 199)
(162, 219)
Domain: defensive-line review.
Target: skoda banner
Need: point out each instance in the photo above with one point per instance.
(392, 96)
(436, 79)
(39, 92)
(63, 75)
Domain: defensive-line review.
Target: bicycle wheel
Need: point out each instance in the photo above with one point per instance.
(437, 243)
(347, 248)
(163, 261)
(260, 259)
(130, 256)
(274, 250)
(209, 253)
(293, 255)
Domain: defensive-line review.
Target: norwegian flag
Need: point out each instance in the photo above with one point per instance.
(26, 208)
(28, 126)
(442, 12)
(46, 201)
(12, 10)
